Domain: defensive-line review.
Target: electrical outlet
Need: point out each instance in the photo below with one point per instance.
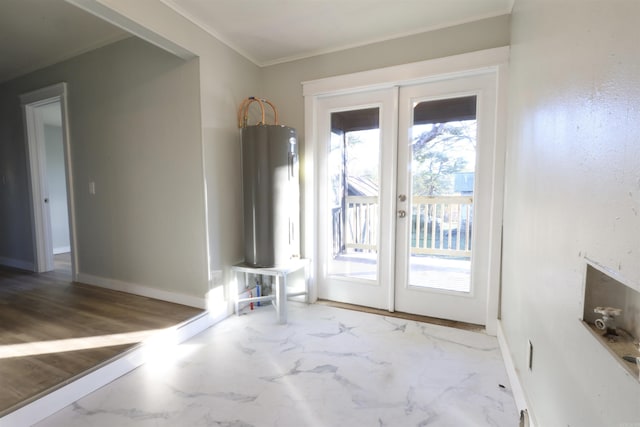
(530, 355)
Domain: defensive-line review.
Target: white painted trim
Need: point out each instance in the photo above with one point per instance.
(145, 291)
(17, 263)
(309, 180)
(52, 402)
(417, 72)
(119, 19)
(514, 381)
(71, 199)
(43, 94)
(497, 201)
(389, 230)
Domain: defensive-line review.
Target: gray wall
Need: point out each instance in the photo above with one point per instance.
(57, 184)
(226, 79)
(16, 247)
(135, 131)
(572, 191)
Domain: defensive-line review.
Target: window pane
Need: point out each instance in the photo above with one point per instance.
(442, 182)
(354, 164)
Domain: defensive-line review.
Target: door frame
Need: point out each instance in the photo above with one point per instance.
(491, 61)
(40, 215)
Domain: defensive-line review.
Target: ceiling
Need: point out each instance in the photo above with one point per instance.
(273, 31)
(38, 33)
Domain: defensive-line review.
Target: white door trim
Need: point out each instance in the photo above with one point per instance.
(42, 239)
(416, 72)
(486, 61)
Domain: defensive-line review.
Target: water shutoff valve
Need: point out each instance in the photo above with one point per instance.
(608, 321)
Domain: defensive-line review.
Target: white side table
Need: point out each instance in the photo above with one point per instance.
(279, 299)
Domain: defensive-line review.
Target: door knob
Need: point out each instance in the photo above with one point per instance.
(402, 214)
(402, 197)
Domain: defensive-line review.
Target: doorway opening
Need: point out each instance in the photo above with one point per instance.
(50, 175)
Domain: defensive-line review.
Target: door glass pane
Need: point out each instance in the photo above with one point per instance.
(354, 164)
(443, 159)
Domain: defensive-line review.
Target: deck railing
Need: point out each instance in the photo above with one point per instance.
(440, 225)
(361, 219)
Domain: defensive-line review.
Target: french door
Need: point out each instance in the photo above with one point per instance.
(444, 186)
(405, 195)
(356, 195)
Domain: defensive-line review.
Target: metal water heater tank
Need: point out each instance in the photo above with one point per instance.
(271, 195)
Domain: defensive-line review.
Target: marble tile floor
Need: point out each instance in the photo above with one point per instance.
(326, 367)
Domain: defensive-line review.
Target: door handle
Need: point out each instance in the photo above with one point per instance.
(402, 214)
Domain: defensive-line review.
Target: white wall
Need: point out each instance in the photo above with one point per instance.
(573, 191)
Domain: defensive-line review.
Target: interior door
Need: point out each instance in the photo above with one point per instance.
(356, 197)
(444, 190)
(50, 174)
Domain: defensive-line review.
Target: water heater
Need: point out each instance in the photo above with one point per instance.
(271, 190)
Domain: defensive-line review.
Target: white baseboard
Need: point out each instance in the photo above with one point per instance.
(149, 351)
(145, 291)
(516, 387)
(17, 263)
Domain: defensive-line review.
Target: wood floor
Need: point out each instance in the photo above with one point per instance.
(52, 330)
